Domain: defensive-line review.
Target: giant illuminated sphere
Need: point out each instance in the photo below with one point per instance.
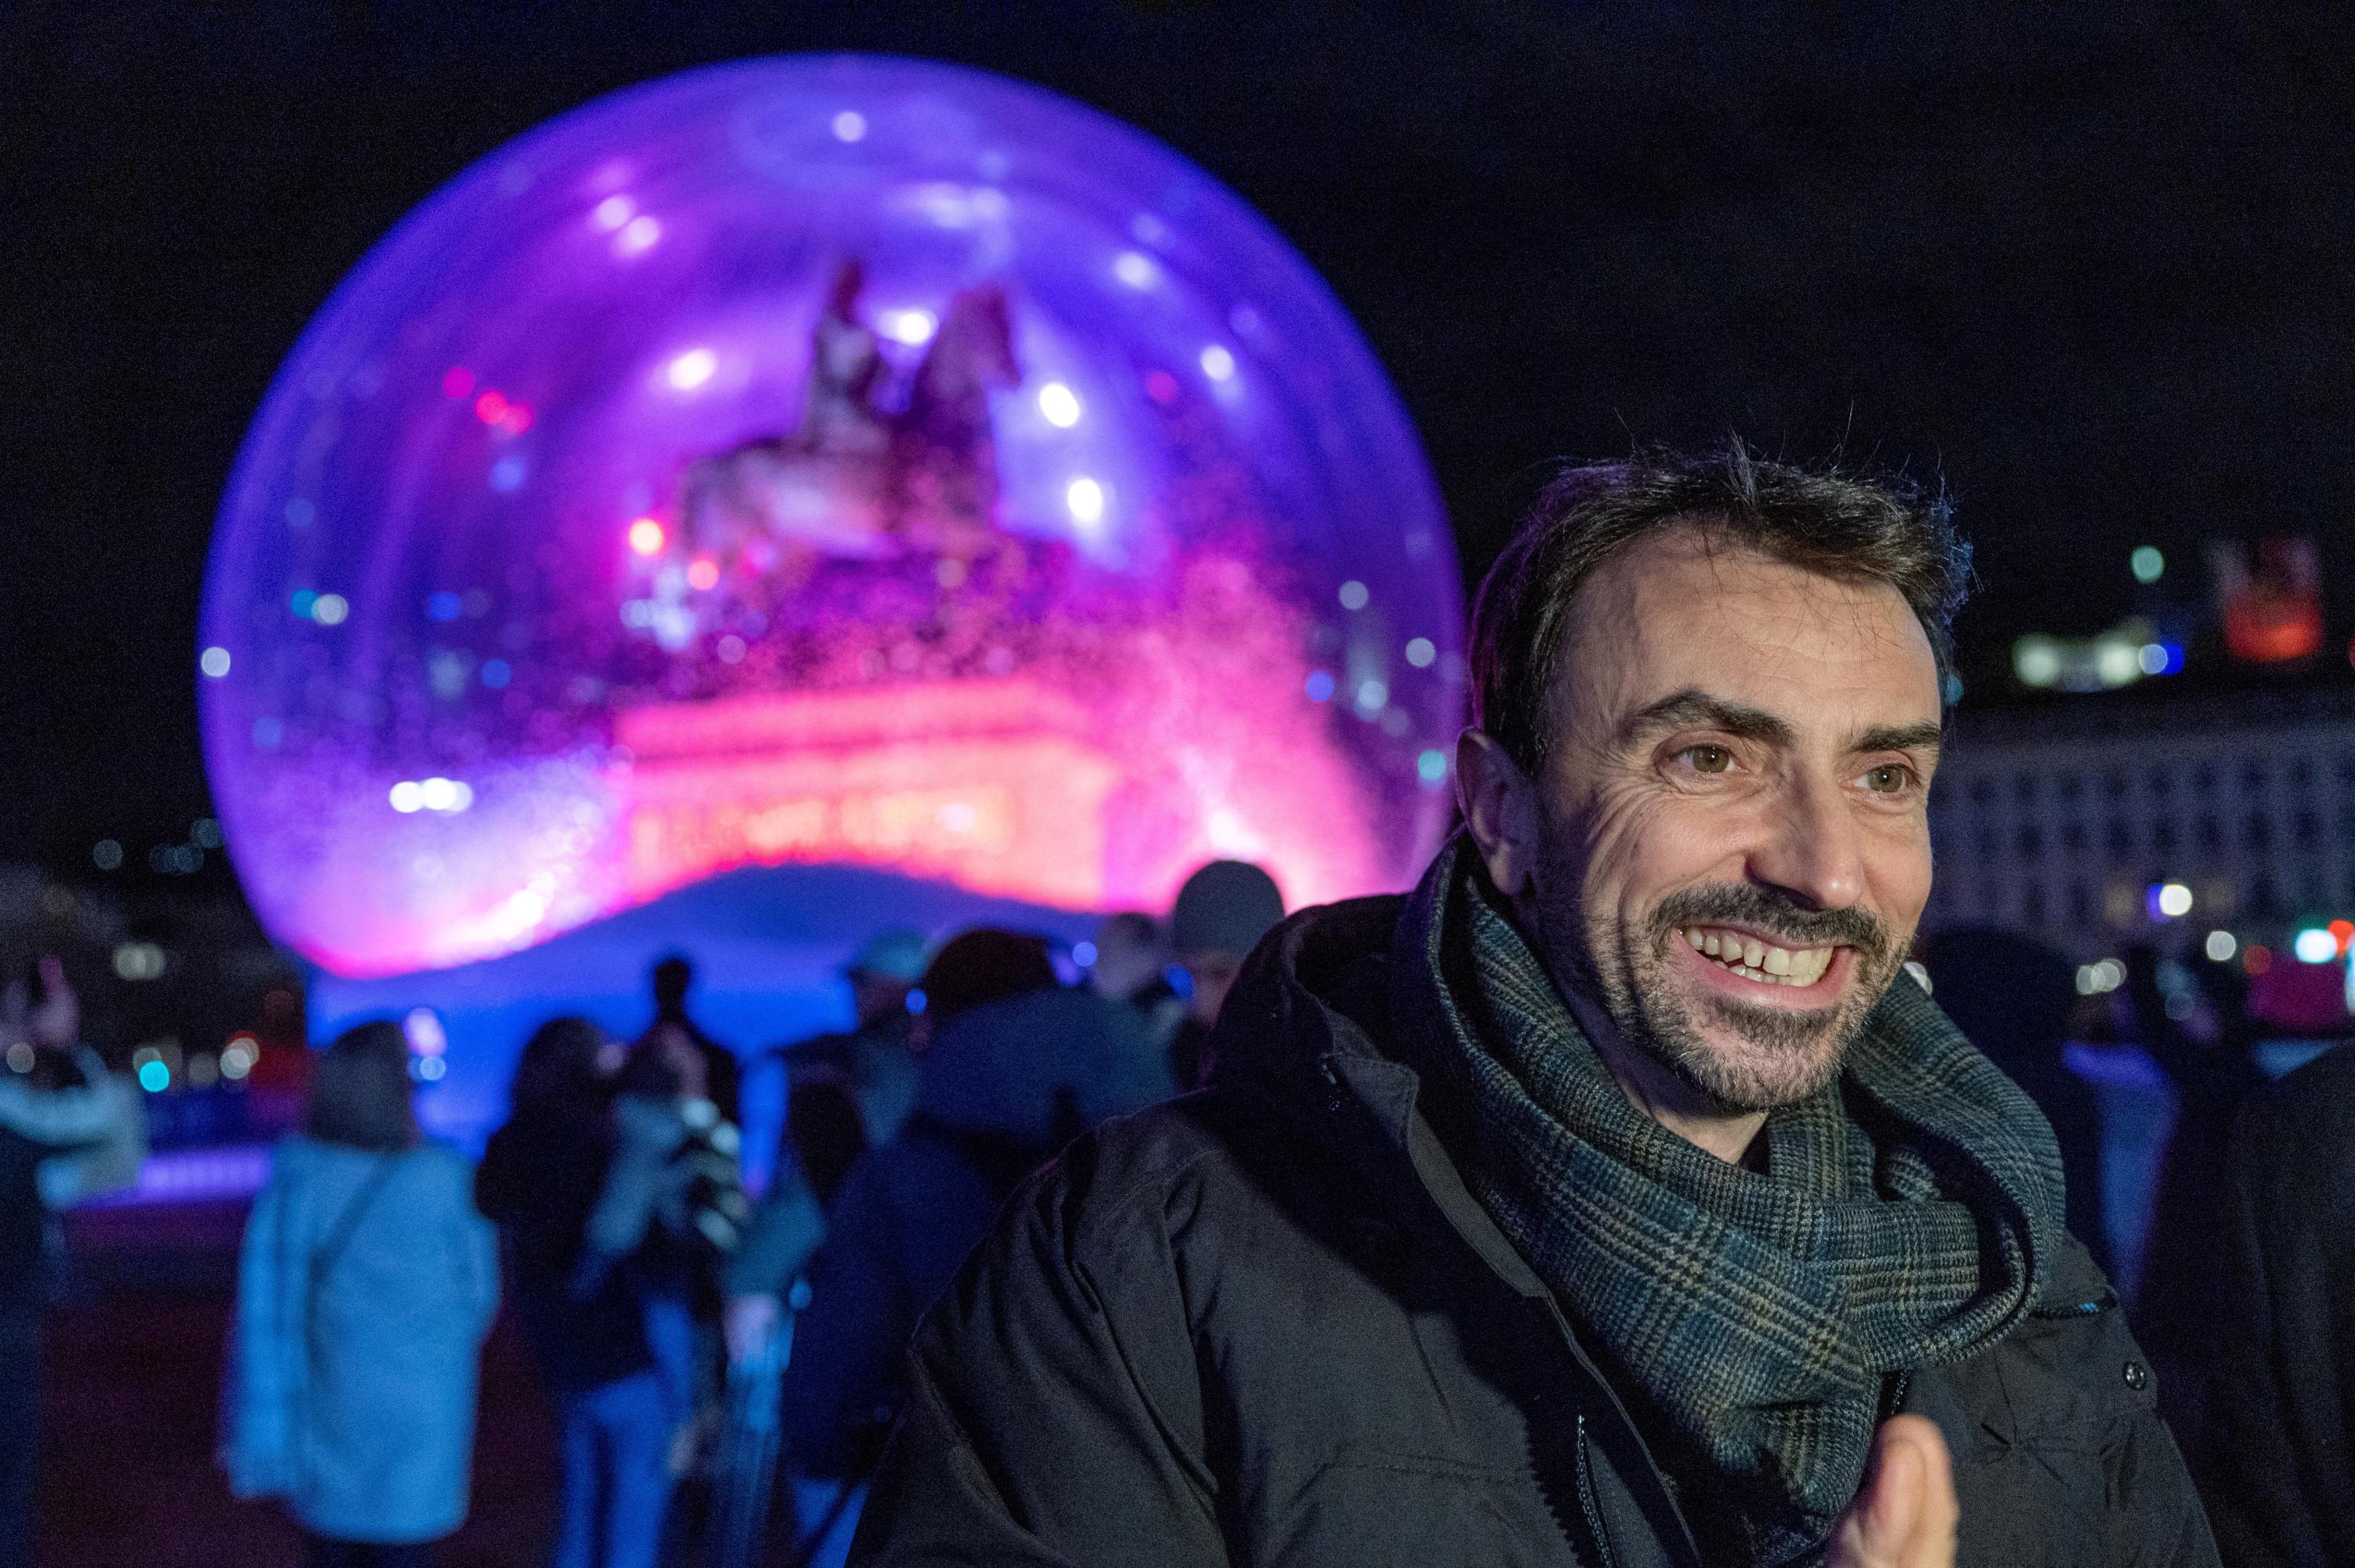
(821, 461)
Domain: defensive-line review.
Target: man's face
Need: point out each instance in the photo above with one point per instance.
(1730, 841)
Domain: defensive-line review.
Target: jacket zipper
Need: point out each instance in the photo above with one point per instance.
(1586, 1498)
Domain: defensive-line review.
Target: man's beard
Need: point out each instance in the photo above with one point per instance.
(1778, 1056)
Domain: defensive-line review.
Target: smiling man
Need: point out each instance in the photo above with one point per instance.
(1613, 1199)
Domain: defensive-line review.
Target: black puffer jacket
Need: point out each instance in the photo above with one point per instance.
(1267, 1324)
(2278, 1465)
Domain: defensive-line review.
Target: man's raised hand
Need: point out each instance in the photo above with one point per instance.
(1906, 1515)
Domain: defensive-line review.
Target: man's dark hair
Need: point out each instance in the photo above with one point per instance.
(1860, 529)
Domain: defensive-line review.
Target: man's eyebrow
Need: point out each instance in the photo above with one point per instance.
(1928, 736)
(1691, 707)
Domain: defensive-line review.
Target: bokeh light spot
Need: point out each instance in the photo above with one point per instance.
(1354, 595)
(646, 537)
(214, 662)
(1059, 405)
(1219, 362)
(691, 369)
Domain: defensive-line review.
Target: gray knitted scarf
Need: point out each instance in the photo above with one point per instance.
(1907, 1216)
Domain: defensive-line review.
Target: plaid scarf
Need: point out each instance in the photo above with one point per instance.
(1910, 1216)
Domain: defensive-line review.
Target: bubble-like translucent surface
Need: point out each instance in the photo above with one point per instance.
(821, 460)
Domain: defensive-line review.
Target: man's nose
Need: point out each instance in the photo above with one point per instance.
(1811, 846)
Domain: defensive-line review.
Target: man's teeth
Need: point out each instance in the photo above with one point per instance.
(1755, 960)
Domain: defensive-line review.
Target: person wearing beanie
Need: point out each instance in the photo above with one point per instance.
(1221, 913)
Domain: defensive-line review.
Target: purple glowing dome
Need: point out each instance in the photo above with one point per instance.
(845, 461)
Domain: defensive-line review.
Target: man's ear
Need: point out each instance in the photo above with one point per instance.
(1500, 810)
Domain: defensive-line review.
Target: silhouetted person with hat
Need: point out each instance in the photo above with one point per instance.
(1221, 913)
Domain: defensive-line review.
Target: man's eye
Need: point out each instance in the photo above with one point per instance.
(1708, 759)
(1888, 779)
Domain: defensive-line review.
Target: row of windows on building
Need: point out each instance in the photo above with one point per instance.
(2079, 905)
(2256, 832)
(2203, 779)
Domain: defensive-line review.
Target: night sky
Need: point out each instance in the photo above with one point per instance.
(2093, 274)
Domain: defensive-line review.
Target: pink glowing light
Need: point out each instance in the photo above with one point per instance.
(646, 537)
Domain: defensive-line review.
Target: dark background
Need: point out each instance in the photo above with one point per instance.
(2087, 269)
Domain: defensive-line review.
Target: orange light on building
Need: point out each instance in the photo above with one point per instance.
(2343, 932)
(703, 574)
(646, 537)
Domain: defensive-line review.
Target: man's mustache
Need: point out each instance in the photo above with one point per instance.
(1772, 913)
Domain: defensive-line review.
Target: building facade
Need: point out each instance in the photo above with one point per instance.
(2070, 821)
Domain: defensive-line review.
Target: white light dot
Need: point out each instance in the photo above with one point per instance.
(1354, 595)
(1085, 497)
(1218, 364)
(1373, 695)
(214, 662)
(2174, 900)
(850, 126)
(637, 234)
(331, 609)
(2152, 658)
(2220, 946)
(1060, 404)
(911, 327)
(1420, 652)
(691, 369)
(438, 794)
(613, 212)
(1136, 269)
(2315, 946)
(407, 797)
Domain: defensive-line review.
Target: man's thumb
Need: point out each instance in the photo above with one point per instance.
(1905, 1516)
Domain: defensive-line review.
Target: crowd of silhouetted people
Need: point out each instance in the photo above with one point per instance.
(723, 1369)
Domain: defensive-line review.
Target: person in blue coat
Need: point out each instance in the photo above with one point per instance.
(364, 1287)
